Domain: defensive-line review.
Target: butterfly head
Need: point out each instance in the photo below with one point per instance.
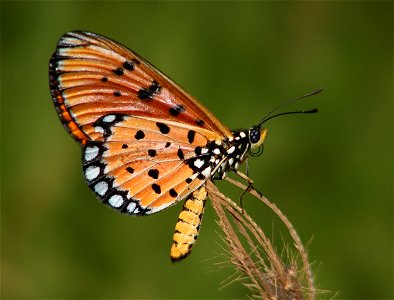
(257, 136)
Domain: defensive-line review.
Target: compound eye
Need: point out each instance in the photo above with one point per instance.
(257, 136)
(254, 135)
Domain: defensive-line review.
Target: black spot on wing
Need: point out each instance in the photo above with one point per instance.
(198, 150)
(139, 135)
(150, 92)
(155, 87)
(143, 94)
(176, 110)
(154, 173)
(201, 176)
(180, 154)
(152, 152)
(118, 71)
(128, 65)
(164, 129)
(173, 193)
(200, 122)
(190, 136)
(156, 188)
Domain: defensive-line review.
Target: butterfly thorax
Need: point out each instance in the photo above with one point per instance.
(235, 153)
(220, 156)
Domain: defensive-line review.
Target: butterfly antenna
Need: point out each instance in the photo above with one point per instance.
(270, 116)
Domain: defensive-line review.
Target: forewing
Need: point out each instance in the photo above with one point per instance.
(91, 76)
(141, 165)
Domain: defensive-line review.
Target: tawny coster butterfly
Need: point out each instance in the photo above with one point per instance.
(146, 143)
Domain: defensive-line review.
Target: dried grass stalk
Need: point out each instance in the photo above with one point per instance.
(255, 259)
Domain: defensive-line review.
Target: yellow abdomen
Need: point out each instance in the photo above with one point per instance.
(188, 225)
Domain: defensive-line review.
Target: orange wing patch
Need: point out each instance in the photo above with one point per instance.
(91, 76)
(148, 162)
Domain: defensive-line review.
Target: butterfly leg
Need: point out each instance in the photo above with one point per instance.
(250, 186)
(188, 225)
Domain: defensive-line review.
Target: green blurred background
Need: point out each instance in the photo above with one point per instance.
(330, 173)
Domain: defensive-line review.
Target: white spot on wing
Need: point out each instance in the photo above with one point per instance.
(131, 207)
(231, 150)
(216, 151)
(109, 118)
(101, 188)
(242, 134)
(92, 172)
(231, 161)
(71, 41)
(116, 200)
(204, 150)
(207, 172)
(71, 112)
(99, 129)
(91, 152)
(198, 163)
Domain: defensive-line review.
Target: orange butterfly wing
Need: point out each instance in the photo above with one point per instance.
(145, 165)
(143, 137)
(91, 76)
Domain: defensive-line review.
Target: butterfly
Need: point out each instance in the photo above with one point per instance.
(146, 143)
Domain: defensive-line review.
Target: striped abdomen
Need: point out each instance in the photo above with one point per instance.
(188, 225)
